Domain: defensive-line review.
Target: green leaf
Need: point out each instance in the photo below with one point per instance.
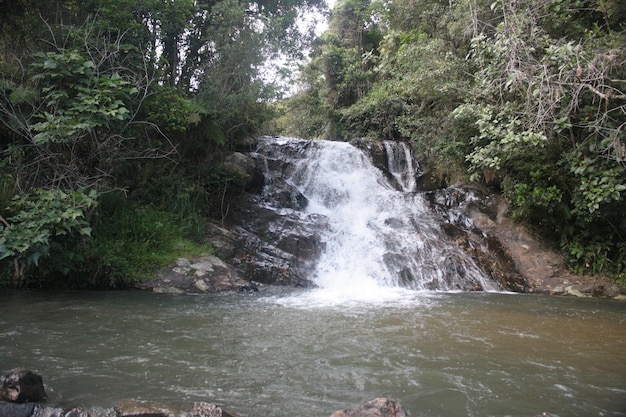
(50, 64)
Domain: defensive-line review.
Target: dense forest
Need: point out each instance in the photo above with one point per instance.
(116, 115)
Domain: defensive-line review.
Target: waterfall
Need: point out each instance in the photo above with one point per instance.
(375, 236)
(401, 165)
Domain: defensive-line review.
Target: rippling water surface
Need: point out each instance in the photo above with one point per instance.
(290, 354)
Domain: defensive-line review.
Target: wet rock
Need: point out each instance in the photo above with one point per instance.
(48, 412)
(382, 153)
(21, 386)
(8, 409)
(277, 247)
(375, 150)
(132, 408)
(79, 412)
(470, 215)
(202, 409)
(512, 256)
(222, 240)
(379, 407)
(208, 274)
(247, 168)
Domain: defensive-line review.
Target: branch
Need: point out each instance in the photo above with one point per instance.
(606, 96)
(4, 222)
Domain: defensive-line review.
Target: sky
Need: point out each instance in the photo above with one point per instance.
(271, 70)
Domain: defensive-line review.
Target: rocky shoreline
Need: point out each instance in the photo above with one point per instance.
(507, 251)
(22, 395)
(210, 274)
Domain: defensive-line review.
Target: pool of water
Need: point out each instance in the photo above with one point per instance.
(285, 354)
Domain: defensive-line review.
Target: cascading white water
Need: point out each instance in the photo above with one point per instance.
(401, 165)
(378, 239)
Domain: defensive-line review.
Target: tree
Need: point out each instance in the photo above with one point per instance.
(550, 123)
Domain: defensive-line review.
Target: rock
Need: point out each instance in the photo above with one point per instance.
(278, 248)
(221, 240)
(477, 219)
(379, 154)
(378, 407)
(8, 409)
(468, 214)
(132, 408)
(208, 274)
(79, 412)
(245, 166)
(202, 409)
(202, 286)
(21, 386)
(48, 412)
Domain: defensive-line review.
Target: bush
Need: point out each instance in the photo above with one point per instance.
(131, 241)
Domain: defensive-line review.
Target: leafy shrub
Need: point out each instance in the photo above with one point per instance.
(41, 223)
(133, 240)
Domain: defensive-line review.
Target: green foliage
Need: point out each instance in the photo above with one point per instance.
(131, 241)
(501, 137)
(40, 219)
(182, 196)
(601, 181)
(76, 100)
(109, 94)
(536, 93)
(538, 203)
(168, 109)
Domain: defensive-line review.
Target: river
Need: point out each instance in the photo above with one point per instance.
(294, 353)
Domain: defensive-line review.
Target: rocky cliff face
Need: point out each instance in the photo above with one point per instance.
(279, 243)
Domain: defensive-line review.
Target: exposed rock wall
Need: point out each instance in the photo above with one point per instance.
(282, 246)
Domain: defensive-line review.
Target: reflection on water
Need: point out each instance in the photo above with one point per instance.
(439, 354)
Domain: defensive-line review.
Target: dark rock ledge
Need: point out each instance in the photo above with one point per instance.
(22, 391)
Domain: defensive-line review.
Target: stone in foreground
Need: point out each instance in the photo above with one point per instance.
(22, 386)
(378, 407)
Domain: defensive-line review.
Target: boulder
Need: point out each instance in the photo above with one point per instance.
(202, 409)
(246, 167)
(22, 386)
(207, 274)
(276, 247)
(49, 412)
(508, 252)
(132, 408)
(78, 412)
(378, 407)
(8, 409)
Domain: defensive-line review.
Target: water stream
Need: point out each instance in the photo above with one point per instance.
(441, 355)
